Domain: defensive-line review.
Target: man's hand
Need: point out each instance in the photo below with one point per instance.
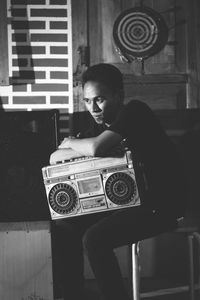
(66, 143)
(62, 155)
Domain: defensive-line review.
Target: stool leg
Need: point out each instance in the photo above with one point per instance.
(191, 267)
(135, 272)
(197, 236)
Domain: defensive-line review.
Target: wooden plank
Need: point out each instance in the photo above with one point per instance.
(80, 44)
(193, 57)
(24, 226)
(126, 4)
(168, 291)
(4, 73)
(157, 96)
(95, 31)
(110, 11)
(164, 91)
(156, 78)
(102, 15)
(25, 261)
(180, 37)
(79, 28)
(197, 31)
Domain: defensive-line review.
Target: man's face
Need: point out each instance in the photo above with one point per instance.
(101, 102)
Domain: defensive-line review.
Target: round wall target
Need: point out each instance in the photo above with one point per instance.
(139, 32)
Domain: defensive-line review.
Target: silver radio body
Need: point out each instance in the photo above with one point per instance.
(90, 185)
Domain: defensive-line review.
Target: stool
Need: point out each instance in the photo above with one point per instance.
(191, 234)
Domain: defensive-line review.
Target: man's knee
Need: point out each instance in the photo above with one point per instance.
(92, 240)
(66, 239)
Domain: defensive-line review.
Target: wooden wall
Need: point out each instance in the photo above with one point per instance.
(171, 77)
(192, 11)
(26, 261)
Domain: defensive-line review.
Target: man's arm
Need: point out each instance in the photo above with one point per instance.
(61, 155)
(95, 146)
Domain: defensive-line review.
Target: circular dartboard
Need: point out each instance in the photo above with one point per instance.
(139, 32)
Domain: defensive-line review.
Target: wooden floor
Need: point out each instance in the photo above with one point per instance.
(147, 285)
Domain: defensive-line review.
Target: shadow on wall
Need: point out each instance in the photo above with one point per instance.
(26, 141)
(80, 122)
(24, 53)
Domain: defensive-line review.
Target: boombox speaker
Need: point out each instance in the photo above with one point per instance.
(90, 185)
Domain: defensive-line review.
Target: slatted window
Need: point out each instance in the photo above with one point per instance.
(39, 55)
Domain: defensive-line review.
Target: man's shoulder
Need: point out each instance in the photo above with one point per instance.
(137, 104)
(92, 131)
(135, 110)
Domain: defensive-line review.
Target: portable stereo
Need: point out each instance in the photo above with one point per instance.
(89, 185)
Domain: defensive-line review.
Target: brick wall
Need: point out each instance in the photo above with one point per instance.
(40, 57)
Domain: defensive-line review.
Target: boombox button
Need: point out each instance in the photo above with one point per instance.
(104, 171)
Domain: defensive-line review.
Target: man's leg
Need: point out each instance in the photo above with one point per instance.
(121, 228)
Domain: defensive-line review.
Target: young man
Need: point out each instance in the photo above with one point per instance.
(100, 234)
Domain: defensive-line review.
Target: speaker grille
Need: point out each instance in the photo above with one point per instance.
(120, 188)
(63, 198)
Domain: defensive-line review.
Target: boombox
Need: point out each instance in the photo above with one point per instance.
(89, 185)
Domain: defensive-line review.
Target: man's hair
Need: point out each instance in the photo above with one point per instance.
(106, 74)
